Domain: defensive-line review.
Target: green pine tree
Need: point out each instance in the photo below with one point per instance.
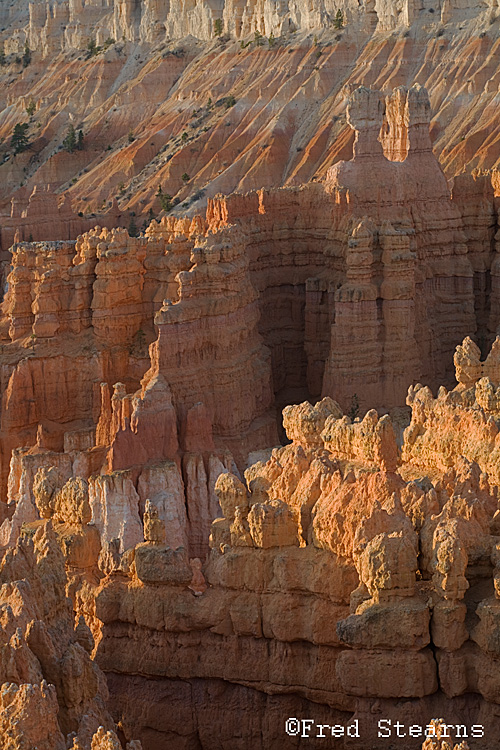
(3, 59)
(339, 20)
(218, 27)
(70, 142)
(26, 58)
(19, 141)
(79, 144)
(166, 201)
(92, 48)
(31, 107)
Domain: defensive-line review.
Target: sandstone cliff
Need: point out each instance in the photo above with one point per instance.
(53, 695)
(227, 117)
(339, 582)
(312, 229)
(354, 298)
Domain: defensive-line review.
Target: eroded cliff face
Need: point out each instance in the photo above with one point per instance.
(354, 566)
(224, 567)
(214, 116)
(351, 578)
(344, 583)
(70, 23)
(53, 694)
(353, 288)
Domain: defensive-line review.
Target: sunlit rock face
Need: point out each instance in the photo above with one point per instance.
(227, 498)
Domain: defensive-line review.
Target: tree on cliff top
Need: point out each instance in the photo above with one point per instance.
(92, 48)
(20, 141)
(165, 201)
(258, 39)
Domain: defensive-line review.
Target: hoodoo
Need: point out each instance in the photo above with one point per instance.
(249, 376)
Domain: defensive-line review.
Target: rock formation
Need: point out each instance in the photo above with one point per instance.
(331, 303)
(280, 134)
(226, 496)
(52, 692)
(43, 216)
(70, 24)
(337, 573)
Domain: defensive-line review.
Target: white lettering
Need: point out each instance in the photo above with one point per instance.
(430, 730)
(398, 726)
(415, 730)
(321, 727)
(384, 725)
(353, 729)
(306, 727)
(444, 730)
(292, 727)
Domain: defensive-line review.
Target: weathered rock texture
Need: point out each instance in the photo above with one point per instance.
(286, 127)
(51, 689)
(347, 574)
(364, 288)
(44, 216)
(352, 573)
(163, 433)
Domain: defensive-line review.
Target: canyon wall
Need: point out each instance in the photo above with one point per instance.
(44, 216)
(308, 229)
(227, 113)
(76, 384)
(343, 584)
(351, 289)
(72, 22)
(53, 694)
(53, 26)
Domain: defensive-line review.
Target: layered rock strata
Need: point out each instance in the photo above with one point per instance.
(287, 125)
(44, 216)
(68, 24)
(53, 694)
(350, 569)
(354, 297)
(342, 582)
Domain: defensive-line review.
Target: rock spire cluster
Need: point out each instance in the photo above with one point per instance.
(228, 494)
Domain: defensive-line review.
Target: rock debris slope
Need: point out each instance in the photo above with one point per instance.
(227, 498)
(161, 100)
